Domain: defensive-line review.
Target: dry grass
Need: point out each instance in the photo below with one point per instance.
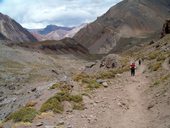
(55, 103)
(162, 80)
(155, 66)
(31, 104)
(25, 114)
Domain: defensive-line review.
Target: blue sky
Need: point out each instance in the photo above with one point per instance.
(39, 13)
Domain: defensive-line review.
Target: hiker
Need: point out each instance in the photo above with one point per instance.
(140, 62)
(133, 67)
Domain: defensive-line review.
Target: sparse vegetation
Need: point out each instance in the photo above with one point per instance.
(111, 73)
(55, 103)
(161, 57)
(155, 66)
(78, 106)
(153, 55)
(162, 80)
(63, 86)
(80, 77)
(31, 104)
(25, 114)
(92, 84)
(54, 86)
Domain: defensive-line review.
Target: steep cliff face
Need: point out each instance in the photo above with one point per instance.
(127, 19)
(13, 31)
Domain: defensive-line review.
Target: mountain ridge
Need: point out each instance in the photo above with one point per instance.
(127, 19)
(13, 31)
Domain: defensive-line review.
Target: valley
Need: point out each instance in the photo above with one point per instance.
(82, 78)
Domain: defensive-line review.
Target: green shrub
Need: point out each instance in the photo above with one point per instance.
(93, 84)
(62, 86)
(80, 77)
(112, 73)
(78, 106)
(106, 75)
(25, 114)
(52, 104)
(55, 103)
(76, 98)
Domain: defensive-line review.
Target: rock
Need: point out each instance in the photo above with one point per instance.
(123, 105)
(90, 65)
(118, 75)
(97, 102)
(100, 81)
(67, 107)
(166, 28)
(34, 89)
(1, 93)
(55, 72)
(150, 106)
(105, 84)
(60, 123)
(69, 126)
(11, 87)
(40, 124)
(110, 61)
(152, 42)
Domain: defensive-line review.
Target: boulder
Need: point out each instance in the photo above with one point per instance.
(110, 61)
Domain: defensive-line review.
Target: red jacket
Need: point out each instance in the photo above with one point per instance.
(133, 65)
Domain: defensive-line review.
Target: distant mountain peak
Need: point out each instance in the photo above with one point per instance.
(50, 28)
(54, 32)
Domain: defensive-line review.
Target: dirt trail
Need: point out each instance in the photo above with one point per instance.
(136, 116)
(121, 105)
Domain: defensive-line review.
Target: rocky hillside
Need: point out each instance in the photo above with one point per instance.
(11, 30)
(45, 89)
(64, 46)
(127, 23)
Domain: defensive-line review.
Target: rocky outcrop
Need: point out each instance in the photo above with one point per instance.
(129, 20)
(166, 28)
(110, 61)
(11, 30)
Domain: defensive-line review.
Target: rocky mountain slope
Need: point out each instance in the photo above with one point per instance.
(45, 89)
(61, 47)
(11, 30)
(127, 23)
(73, 100)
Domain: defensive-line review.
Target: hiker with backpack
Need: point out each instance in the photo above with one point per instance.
(132, 68)
(140, 62)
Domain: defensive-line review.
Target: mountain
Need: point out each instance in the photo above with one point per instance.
(72, 32)
(49, 28)
(56, 35)
(126, 23)
(53, 32)
(11, 30)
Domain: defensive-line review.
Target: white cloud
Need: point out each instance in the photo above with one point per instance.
(39, 13)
